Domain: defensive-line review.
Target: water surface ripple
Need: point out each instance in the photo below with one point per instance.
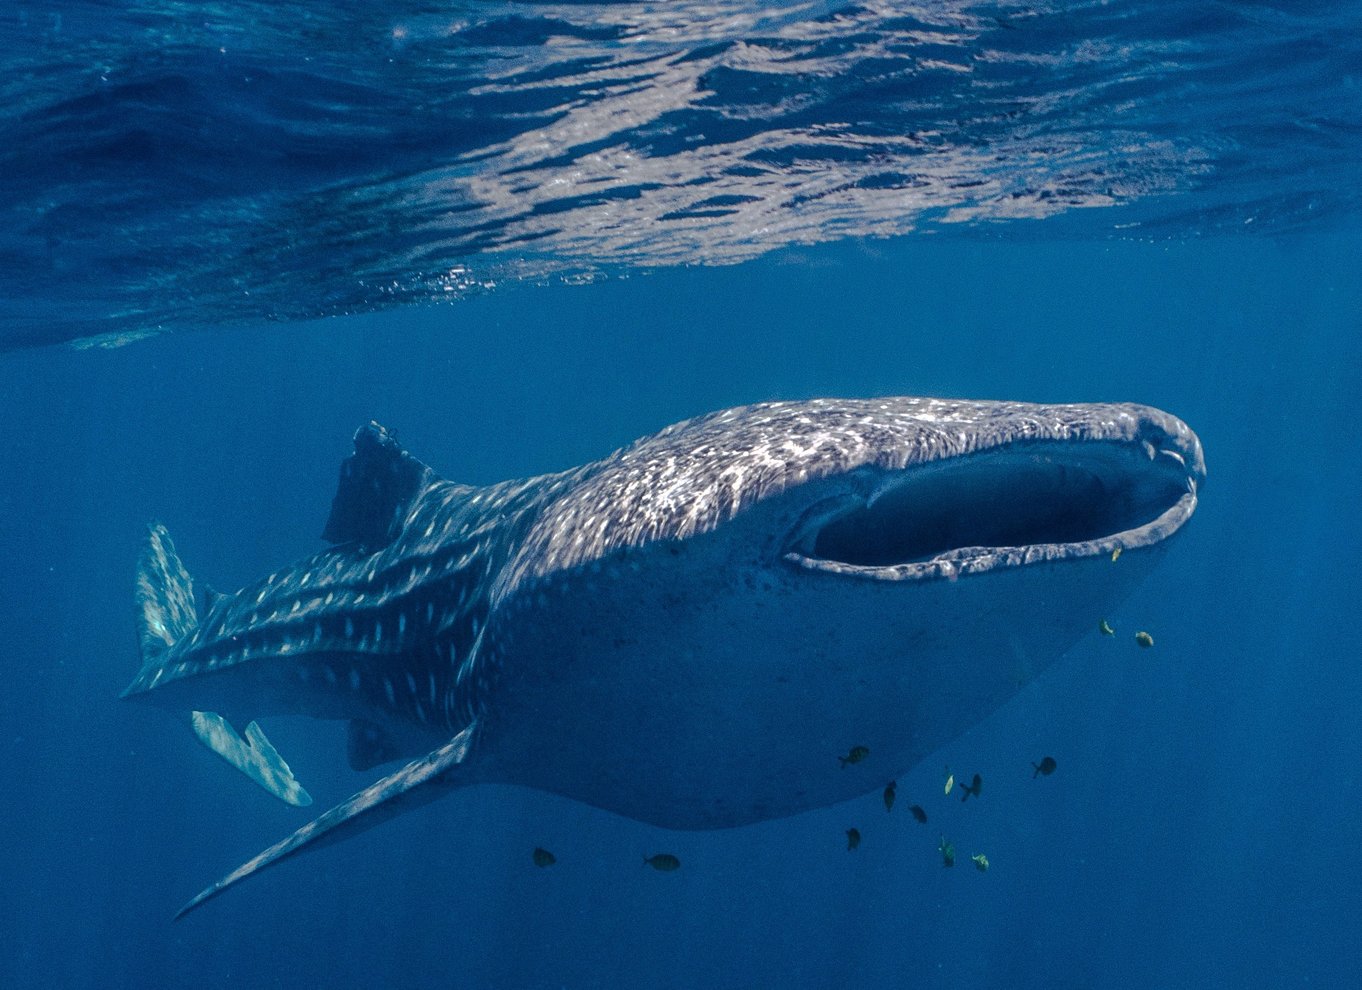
(173, 164)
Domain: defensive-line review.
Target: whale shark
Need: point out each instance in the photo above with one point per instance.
(689, 632)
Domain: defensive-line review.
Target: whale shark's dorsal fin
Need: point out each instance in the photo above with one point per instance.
(393, 795)
(378, 484)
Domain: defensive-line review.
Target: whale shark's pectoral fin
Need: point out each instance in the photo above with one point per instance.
(394, 794)
(255, 756)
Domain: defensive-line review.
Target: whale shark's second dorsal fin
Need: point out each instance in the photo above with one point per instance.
(211, 596)
(378, 484)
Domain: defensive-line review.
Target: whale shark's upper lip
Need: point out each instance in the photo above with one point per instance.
(1018, 503)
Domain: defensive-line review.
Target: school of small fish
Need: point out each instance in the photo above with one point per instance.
(1043, 767)
(666, 862)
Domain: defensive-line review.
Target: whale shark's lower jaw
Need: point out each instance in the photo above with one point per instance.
(1014, 505)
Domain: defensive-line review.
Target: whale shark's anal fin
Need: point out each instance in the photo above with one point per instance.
(254, 755)
(394, 794)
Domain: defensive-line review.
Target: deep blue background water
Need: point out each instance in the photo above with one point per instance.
(197, 170)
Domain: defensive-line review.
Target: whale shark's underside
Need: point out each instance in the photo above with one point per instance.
(690, 631)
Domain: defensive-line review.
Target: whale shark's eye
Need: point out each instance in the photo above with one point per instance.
(1012, 497)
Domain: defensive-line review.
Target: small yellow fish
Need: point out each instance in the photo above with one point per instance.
(1104, 627)
(1116, 555)
(1144, 639)
(857, 754)
(890, 792)
(664, 862)
(853, 838)
(947, 850)
(980, 862)
(950, 782)
(542, 857)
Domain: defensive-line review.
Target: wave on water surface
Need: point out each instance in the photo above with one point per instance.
(173, 164)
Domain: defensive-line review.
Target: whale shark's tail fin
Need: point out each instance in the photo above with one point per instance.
(166, 613)
(415, 784)
(165, 600)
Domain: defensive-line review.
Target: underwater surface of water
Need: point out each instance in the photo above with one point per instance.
(172, 164)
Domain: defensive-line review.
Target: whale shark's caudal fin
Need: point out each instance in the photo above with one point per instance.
(166, 613)
(394, 794)
(165, 600)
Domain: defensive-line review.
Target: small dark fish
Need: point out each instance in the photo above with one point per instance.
(1144, 639)
(891, 790)
(972, 789)
(853, 838)
(857, 754)
(917, 812)
(542, 857)
(1045, 767)
(665, 862)
(947, 850)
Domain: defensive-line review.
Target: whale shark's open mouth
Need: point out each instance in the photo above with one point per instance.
(1009, 505)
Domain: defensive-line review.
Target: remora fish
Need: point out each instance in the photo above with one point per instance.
(684, 631)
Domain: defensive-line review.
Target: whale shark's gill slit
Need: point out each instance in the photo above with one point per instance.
(1012, 497)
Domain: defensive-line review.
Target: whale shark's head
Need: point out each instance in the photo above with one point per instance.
(889, 489)
(883, 571)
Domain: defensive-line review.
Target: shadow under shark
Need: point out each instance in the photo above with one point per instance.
(690, 631)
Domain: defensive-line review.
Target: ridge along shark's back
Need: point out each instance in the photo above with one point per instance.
(690, 631)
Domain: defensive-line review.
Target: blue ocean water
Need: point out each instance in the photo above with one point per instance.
(557, 227)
